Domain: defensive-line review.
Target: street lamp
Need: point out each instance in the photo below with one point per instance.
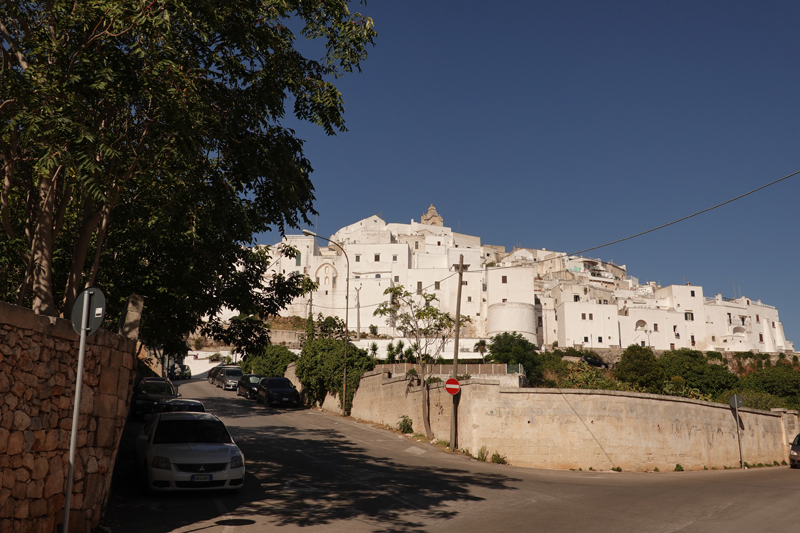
(310, 233)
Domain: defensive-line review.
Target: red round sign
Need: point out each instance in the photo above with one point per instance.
(452, 386)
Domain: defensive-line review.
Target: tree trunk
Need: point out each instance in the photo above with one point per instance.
(79, 260)
(426, 404)
(42, 251)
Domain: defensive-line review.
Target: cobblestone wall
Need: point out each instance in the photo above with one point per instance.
(38, 363)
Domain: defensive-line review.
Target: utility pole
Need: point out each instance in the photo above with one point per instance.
(358, 313)
(454, 417)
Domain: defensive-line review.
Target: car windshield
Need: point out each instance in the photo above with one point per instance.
(279, 383)
(234, 373)
(255, 379)
(156, 387)
(191, 431)
(796, 441)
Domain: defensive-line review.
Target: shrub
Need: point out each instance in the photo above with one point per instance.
(616, 468)
(215, 357)
(778, 380)
(514, 348)
(270, 361)
(433, 379)
(482, 454)
(640, 367)
(499, 459)
(463, 377)
(678, 468)
(405, 425)
(373, 329)
(655, 469)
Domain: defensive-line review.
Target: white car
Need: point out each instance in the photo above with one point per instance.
(189, 451)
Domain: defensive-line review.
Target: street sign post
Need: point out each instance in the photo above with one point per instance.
(87, 317)
(736, 402)
(452, 386)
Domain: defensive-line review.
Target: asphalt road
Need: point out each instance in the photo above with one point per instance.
(311, 471)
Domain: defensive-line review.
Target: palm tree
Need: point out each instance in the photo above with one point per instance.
(480, 347)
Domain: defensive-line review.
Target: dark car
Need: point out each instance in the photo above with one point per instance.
(248, 385)
(178, 371)
(794, 453)
(277, 391)
(147, 395)
(228, 377)
(594, 361)
(212, 374)
(178, 404)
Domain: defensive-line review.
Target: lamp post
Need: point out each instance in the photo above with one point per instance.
(310, 233)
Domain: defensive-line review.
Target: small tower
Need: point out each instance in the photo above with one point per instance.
(431, 218)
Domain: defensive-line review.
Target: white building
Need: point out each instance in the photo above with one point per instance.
(549, 297)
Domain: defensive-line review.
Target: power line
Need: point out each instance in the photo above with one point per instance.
(689, 216)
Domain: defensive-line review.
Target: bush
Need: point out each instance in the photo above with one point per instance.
(405, 425)
(482, 454)
(215, 357)
(373, 329)
(514, 348)
(499, 459)
(616, 468)
(270, 361)
(640, 367)
(693, 367)
(678, 468)
(780, 380)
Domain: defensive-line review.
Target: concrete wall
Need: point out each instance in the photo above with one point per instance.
(548, 428)
(38, 362)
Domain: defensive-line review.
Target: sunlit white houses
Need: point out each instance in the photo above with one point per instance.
(549, 297)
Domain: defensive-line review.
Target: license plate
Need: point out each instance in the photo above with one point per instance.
(201, 477)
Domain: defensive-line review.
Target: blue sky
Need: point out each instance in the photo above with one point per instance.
(567, 124)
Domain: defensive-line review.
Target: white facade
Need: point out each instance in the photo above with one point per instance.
(549, 297)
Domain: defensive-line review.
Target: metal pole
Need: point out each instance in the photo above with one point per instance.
(739, 436)
(454, 416)
(73, 440)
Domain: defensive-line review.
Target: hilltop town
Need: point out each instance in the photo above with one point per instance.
(553, 299)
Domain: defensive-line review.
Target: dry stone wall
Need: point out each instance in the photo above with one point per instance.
(38, 363)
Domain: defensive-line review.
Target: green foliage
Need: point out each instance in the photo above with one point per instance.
(373, 329)
(640, 367)
(270, 361)
(655, 469)
(678, 468)
(215, 357)
(405, 425)
(483, 454)
(714, 356)
(780, 380)
(696, 373)
(514, 348)
(755, 400)
(321, 369)
(499, 459)
(143, 150)
(616, 468)
(582, 376)
(554, 364)
(433, 379)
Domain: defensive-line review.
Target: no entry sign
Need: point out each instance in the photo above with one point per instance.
(452, 386)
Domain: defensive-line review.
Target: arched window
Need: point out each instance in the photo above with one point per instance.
(641, 325)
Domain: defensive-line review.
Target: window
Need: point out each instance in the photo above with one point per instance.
(760, 337)
(591, 316)
(773, 324)
(326, 293)
(672, 346)
(642, 344)
(692, 292)
(655, 327)
(436, 285)
(505, 279)
(463, 283)
(484, 287)
(416, 245)
(357, 277)
(377, 276)
(469, 298)
(713, 338)
(600, 340)
(688, 315)
(397, 279)
(586, 339)
(377, 258)
(692, 338)
(297, 259)
(419, 287)
(358, 258)
(576, 298)
(758, 319)
(505, 300)
(605, 301)
(317, 280)
(540, 321)
(438, 243)
(394, 258)
(583, 316)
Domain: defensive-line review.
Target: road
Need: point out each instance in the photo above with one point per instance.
(312, 471)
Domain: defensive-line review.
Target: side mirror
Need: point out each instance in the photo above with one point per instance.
(178, 395)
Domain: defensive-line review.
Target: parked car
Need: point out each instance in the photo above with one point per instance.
(178, 404)
(212, 374)
(228, 377)
(248, 385)
(794, 453)
(188, 451)
(178, 371)
(277, 391)
(594, 361)
(147, 395)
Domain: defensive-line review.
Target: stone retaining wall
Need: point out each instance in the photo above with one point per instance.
(574, 428)
(38, 363)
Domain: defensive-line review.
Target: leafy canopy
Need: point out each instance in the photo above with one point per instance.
(639, 366)
(514, 348)
(143, 147)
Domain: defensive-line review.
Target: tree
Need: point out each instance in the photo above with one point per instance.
(780, 380)
(270, 361)
(480, 347)
(639, 366)
(129, 127)
(697, 373)
(417, 318)
(515, 349)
